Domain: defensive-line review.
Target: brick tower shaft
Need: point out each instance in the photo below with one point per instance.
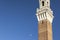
(44, 30)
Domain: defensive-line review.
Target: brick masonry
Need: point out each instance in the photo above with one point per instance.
(44, 30)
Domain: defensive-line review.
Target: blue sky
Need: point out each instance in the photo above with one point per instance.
(18, 20)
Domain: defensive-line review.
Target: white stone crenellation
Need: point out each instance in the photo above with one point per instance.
(42, 15)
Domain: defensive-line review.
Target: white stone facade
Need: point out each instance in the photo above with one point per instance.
(44, 12)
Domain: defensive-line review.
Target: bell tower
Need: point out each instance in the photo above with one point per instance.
(45, 18)
(44, 3)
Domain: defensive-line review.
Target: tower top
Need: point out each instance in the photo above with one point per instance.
(44, 3)
(44, 11)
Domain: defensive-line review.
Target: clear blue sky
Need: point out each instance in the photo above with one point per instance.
(18, 20)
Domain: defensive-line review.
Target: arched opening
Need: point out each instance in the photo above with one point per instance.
(42, 3)
(47, 3)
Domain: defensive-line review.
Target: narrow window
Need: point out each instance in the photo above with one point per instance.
(42, 22)
(42, 3)
(47, 3)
